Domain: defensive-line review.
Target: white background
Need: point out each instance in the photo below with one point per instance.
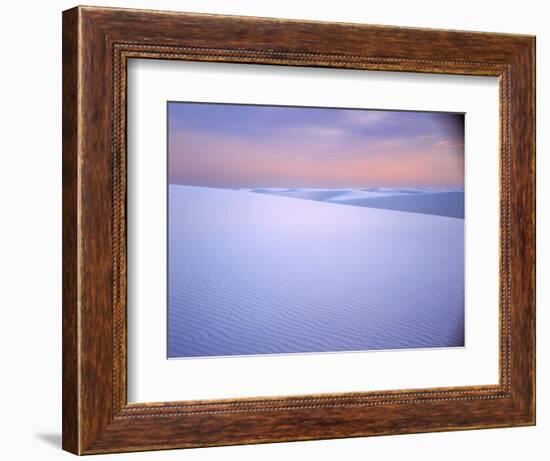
(30, 247)
(152, 378)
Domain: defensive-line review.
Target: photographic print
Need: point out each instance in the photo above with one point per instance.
(298, 230)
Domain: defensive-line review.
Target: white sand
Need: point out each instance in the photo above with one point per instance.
(253, 273)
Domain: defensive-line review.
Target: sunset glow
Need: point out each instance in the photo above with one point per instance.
(245, 146)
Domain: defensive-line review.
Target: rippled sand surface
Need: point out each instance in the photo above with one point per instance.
(262, 273)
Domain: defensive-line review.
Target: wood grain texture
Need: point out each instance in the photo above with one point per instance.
(70, 384)
(97, 43)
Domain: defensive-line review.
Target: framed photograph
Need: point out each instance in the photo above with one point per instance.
(281, 230)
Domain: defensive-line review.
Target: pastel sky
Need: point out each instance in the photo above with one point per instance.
(246, 146)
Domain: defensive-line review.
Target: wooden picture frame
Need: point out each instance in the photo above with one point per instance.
(97, 43)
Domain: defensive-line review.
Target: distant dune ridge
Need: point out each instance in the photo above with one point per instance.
(437, 201)
(256, 272)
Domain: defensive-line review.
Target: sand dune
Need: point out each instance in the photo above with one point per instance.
(449, 204)
(437, 201)
(253, 273)
(308, 194)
